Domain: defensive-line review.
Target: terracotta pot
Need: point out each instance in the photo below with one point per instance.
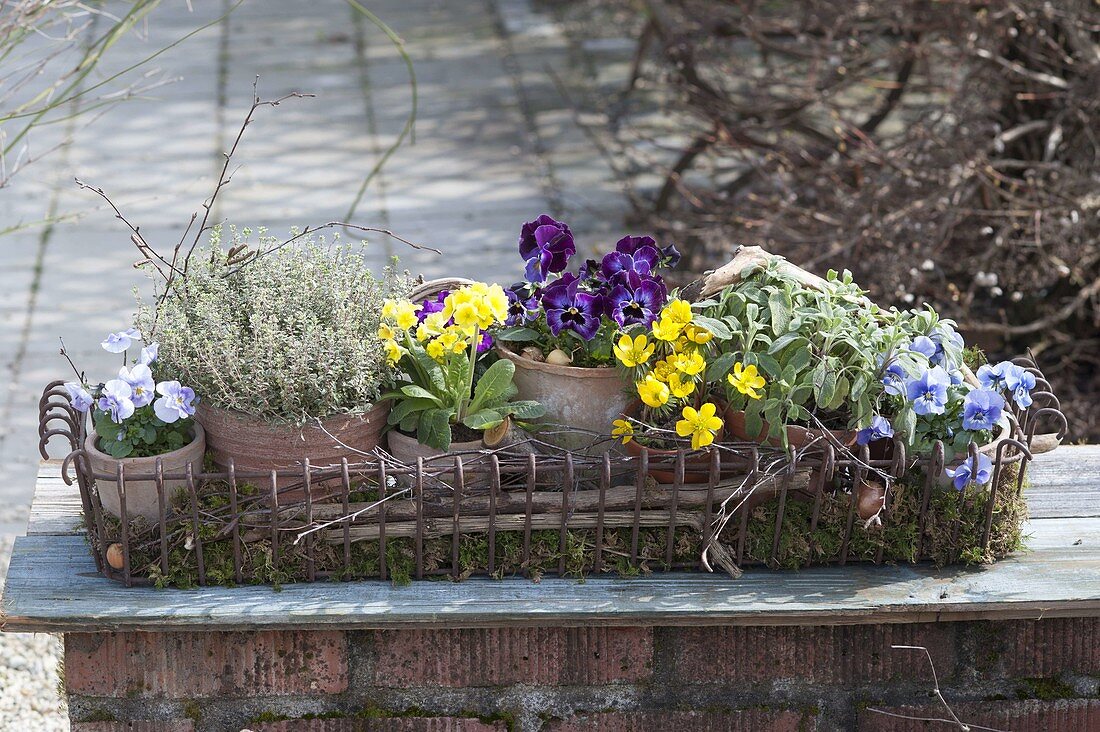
(141, 495)
(797, 436)
(582, 398)
(407, 449)
(696, 462)
(257, 446)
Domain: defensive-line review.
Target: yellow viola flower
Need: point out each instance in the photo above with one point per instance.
(746, 380)
(652, 392)
(680, 389)
(677, 311)
(633, 352)
(697, 334)
(663, 369)
(666, 329)
(701, 425)
(689, 364)
(622, 429)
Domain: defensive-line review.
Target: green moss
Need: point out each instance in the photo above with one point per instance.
(952, 534)
(99, 715)
(1045, 689)
(192, 711)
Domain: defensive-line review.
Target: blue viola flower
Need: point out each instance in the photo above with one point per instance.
(176, 402)
(944, 335)
(569, 308)
(521, 307)
(121, 341)
(140, 380)
(546, 245)
(981, 409)
(78, 396)
(149, 353)
(636, 306)
(924, 346)
(893, 379)
(1020, 382)
(880, 429)
(993, 376)
(966, 473)
(115, 400)
(929, 392)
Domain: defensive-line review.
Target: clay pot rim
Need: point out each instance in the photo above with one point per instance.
(846, 437)
(581, 372)
(254, 421)
(475, 444)
(197, 433)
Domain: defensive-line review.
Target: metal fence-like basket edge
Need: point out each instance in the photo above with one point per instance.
(521, 489)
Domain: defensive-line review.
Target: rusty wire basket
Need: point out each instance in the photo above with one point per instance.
(530, 508)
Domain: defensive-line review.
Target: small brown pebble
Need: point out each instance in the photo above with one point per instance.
(533, 353)
(114, 556)
(870, 499)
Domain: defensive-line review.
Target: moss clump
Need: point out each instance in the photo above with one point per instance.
(1045, 689)
(952, 534)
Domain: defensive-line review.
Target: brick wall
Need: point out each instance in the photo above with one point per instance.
(1019, 675)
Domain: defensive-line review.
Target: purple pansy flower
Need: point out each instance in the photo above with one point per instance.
(965, 473)
(642, 262)
(115, 399)
(78, 396)
(636, 306)
(631, 244)
(1020, 382)
(121, 341)
(568, 308)
(140, 381)
(880, 429)
(929, 392)
(981, 409)
(149, 353)
(546, 245)
(429, 306)
(175, 403)
(520, 308)
(485, 343)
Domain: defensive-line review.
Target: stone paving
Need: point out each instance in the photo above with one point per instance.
(496, 144)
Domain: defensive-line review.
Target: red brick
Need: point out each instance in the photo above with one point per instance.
(405, 724)
(498, 656)
(821, 654)
(195, 665)
(1063, 715)
(746, 720)
(1040, 648)
(177, 725)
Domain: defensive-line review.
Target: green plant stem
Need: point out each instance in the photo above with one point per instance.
(467, 396)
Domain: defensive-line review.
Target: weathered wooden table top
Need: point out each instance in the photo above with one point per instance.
(52, 584)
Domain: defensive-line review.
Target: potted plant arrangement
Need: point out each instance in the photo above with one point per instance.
(561, 325)
(450, 382)
(282, 342)
(138, 425)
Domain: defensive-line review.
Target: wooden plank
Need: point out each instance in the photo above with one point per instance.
(1064, 484)
(52, 586)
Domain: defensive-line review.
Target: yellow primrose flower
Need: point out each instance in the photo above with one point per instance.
(701, 425)
(433, 325)
(633, 352)
(746, 380)
(385, 332)
(394, 352)
(494, 302)
(680, 389)
(667, 329)
(402, 312)
(623, 429)
(653, 392)
(690, 364)
(697, 334)
(436, 349)
(389, 309)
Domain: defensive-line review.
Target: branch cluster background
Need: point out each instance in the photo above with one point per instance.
(944, 152)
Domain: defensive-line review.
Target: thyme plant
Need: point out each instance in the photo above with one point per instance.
(287, 335)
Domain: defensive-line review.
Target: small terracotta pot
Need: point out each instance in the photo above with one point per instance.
(797, 436)
(257, 446)
(407, 449)
(582, 398)
(141, 495)
(696, 462)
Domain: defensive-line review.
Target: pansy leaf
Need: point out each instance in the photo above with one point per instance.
(516, 333)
